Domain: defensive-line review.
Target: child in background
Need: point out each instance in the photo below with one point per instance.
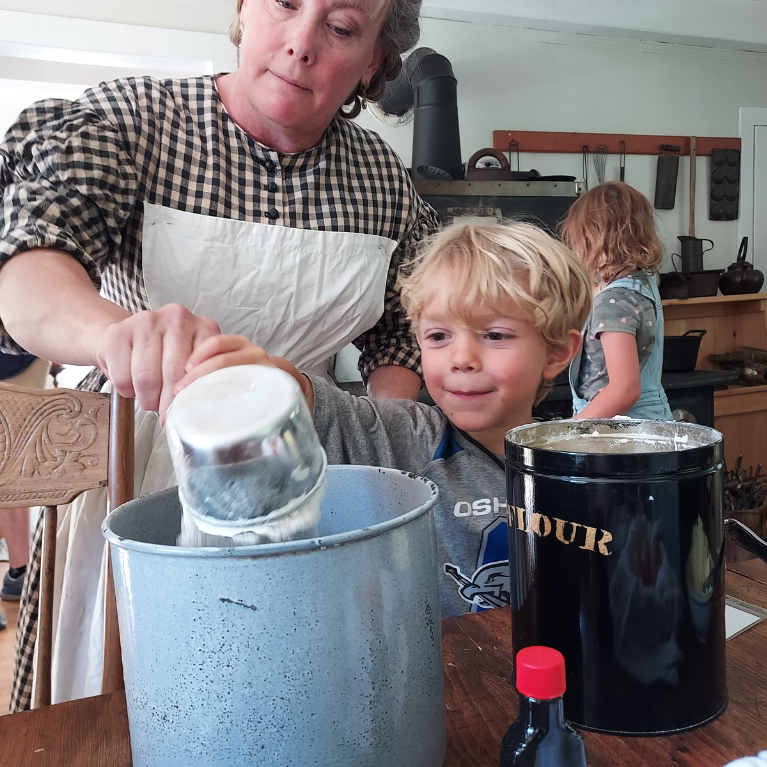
(497, 312)
(618, 372)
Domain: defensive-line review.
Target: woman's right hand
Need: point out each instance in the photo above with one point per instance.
(145, 355)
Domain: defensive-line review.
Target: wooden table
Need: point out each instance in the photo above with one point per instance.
(480, 699)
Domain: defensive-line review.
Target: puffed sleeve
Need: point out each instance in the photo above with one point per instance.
(620, 310)
(67, 181)
(390, 341)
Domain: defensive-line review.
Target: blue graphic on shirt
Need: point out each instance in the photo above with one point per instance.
(489, 586)
(448, 447)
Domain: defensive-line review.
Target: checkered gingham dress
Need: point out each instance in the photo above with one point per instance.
(74, 175)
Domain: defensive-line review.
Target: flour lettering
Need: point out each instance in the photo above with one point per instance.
(585, 537)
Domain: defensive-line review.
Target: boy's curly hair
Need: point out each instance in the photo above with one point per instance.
(490, 263)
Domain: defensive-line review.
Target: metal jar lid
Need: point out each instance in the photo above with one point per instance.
(613, 447)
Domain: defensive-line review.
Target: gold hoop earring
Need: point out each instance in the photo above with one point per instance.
(240, 30)
(364, 90)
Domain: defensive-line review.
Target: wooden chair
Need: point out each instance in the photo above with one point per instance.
(55, 444)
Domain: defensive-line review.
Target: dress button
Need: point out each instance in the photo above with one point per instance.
(272, 213)
(272, 187)
(269, 165)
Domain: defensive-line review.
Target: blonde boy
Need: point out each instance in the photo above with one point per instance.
(497, 311)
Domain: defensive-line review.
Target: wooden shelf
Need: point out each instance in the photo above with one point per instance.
(573, 143)
(730, 321)
(747, 401)
(740, 413)
(714, 299)
(737, 390)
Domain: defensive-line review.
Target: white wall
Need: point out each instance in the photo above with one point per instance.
(54, 56)
(192, 15)
(733, 24)
(525, 80)
(522, 79)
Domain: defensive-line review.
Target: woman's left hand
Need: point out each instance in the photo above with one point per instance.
(220, 352)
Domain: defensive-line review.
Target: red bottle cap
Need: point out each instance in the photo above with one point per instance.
(541, 673)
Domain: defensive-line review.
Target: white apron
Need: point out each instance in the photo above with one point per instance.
(299, 293)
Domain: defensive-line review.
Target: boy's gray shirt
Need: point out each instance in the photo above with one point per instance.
(470, 514)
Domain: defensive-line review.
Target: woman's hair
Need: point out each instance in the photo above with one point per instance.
(399, 33)
(612, 228)
(489, 263)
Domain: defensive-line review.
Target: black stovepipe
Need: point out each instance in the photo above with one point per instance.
(436, 139)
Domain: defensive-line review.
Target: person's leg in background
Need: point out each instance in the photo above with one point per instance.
(15, 526)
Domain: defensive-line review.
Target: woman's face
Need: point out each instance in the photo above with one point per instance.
(300, 59)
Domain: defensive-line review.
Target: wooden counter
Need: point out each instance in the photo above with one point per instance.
(480, 700)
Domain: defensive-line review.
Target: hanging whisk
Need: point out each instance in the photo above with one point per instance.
(586, 167)
(600, 162)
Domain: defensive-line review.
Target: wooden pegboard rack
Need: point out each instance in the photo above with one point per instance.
(573, 143)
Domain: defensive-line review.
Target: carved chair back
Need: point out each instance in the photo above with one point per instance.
(54, 445)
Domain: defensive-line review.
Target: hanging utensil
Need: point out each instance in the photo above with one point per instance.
(586, 167)
(600, 162)
(622, 145)
(693, 168)
(665, 179)
(514, 147)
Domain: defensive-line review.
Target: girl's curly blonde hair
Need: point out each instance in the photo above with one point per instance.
(611, 229)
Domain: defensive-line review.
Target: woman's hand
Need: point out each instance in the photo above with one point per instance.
(145, 355)
(226, 351)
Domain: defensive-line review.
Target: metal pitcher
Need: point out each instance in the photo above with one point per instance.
(692, 253)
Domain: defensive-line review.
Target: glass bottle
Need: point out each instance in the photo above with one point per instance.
(540, 737)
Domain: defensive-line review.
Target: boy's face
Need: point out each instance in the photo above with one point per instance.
(485, 377)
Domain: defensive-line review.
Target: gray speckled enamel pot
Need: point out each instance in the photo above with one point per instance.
(323, 652)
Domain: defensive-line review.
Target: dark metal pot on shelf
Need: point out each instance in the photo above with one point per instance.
(680, 353)
(690, 284)
(616, 549)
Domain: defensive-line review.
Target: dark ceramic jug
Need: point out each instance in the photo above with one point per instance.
(692, 253)
(741, 277)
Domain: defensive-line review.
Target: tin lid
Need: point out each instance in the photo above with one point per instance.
(541, 673)
(613, 447)
(233, 405)
(243, 447)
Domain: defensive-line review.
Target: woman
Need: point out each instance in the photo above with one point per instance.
(244, 203)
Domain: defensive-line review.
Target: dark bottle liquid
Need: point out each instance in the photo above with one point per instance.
(540, 737)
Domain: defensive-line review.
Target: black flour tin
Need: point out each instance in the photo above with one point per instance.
(616, 560)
